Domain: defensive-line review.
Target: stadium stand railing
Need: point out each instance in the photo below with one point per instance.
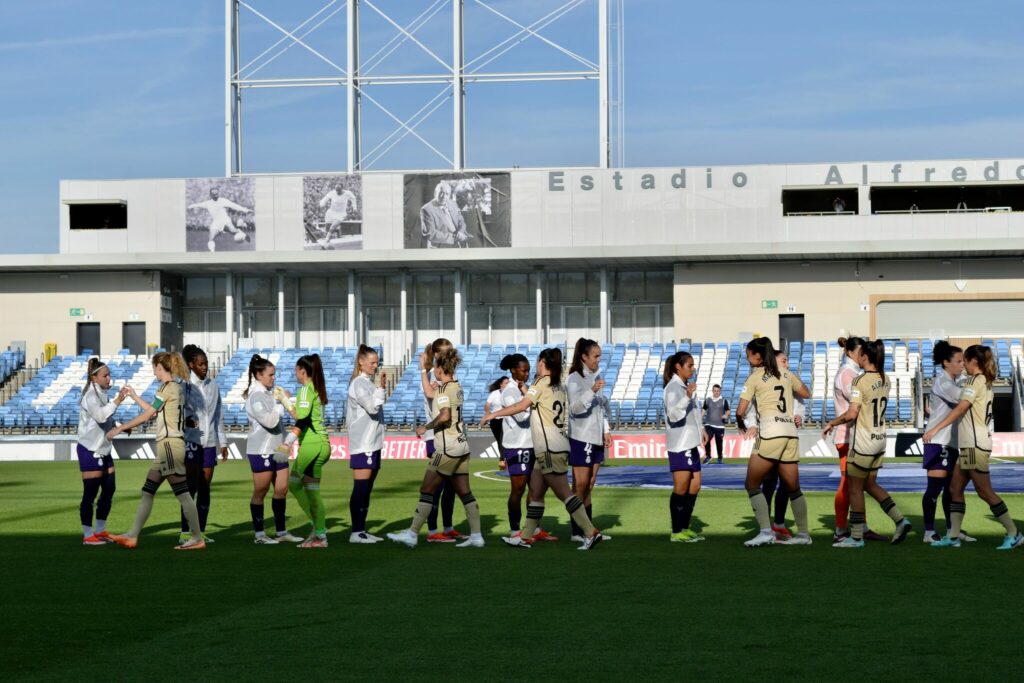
(48, 403)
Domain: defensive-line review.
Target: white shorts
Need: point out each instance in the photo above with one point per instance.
(335, 217)
(217, 227)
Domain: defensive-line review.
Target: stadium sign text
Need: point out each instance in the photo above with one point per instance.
(833, 174)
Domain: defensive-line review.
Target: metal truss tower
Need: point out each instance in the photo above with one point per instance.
(453, 72)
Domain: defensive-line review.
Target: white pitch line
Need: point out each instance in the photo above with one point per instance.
(483, 475)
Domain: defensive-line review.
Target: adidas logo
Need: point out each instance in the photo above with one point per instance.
(916, 448)
(491, 451)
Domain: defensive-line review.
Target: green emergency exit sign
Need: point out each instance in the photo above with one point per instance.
(76, 312)
(769, 303)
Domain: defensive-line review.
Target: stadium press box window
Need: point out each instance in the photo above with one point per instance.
(98, 216)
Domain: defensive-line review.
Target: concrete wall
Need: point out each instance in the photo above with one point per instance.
(723, 302)
(35, 307)
(694, 210)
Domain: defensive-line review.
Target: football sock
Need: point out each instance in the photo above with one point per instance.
(106, 501)
(782, 502)
(842, 500)
(316, 508)
(799, 509)
(947, 498)
(929, 501)
(472, 513)
(689, 500)
(279, 506)
(90, 488)
(889, 508)
(189, 507)
(515, 514)
(676, 503)
(295, 486)
(957, 510)
(574, 506)
(203, 502)
(358, 504)
(256, 511)
(760, 506)
(534, 513)
(857, 525)
(149, 487)
(448, 505)
(423, 510)
(1002, 515)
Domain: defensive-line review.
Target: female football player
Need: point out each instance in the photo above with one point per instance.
(95, 419)
(314, 447)
(589, 433)
(267, 459)
(974, 436)
(451, 455)
(869, 397)
(365, 438)
(445, 497)
(940, 455)
(771, 390)
(546, 400)
(168, 409)
(684, 434)
(204, 434)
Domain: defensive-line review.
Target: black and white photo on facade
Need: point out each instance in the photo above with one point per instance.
(332, 212)
(220, 214)
(457, 211)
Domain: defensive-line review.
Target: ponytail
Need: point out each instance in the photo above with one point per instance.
(763, 347)
(95, 365)
(944, 352)
(677, 358)
(583, 347)
(257, 365)
(553, 362)
(173, 363)
(875, 351)
(982, 355)
(315, 371)
(437, 346)
(363, 352)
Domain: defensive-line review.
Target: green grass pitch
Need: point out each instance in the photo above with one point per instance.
(637, 607)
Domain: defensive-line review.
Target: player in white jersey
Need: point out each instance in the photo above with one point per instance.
(220, 219)
(589, 433)
(95, 419)
(341, 205)
(517, 455)
(204, 434)
(365, 418)
(265, 405)
(684, 435)
(941, 454)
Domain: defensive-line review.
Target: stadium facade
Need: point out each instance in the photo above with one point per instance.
(890, 249)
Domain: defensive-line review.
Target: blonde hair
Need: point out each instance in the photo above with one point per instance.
(448, 360)
(173, 363)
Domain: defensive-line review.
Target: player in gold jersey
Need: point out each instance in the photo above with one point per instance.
(548, 406)
(974, 411)
(451, 455)
(771, 390)
(869, 397)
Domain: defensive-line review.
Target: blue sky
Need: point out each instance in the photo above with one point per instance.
(134, 88)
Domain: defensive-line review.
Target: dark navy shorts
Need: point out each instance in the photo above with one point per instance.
(686, 461)
(519, 461)
(939, 457)
(582, 454)
(430, 447)
(265, 463)
(90, 462)
(195, 452)
(364, 461)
